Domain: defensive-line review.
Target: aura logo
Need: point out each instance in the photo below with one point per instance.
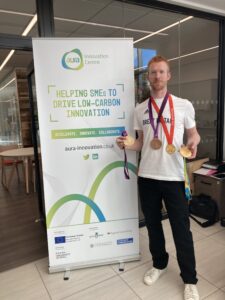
(73, 60)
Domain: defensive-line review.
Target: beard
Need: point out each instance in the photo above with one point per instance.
(158, 85)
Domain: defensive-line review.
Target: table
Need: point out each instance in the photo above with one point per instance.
(25, 154)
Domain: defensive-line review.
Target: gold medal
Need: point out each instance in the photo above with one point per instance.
(155, 143)
(170, 148)
(129, 141)
(185, 152)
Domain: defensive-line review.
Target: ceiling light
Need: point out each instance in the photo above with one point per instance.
(105, 25)
(144, 67)
(196, 52)
(2, 88)
(15, 13)
(25, 33)
(6, 59)
(30, 25)
(163, 29)
(81, 22)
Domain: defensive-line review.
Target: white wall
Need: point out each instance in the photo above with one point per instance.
(212, 6)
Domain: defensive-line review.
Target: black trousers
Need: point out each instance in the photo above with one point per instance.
(172, 192)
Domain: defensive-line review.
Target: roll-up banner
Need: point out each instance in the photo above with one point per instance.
(85, 96)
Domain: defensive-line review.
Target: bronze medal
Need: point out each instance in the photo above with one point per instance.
(129, 141)
(155, 143)
(170, 149)
(185, 152)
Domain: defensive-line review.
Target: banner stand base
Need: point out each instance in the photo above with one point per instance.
(70, 267)
(67, 274)
(121, 266)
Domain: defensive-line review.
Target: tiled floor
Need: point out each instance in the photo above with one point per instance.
(32, 281)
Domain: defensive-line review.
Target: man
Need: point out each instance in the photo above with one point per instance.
(160, 122)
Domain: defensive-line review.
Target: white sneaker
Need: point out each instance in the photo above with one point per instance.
(191, 292)
(153, 275)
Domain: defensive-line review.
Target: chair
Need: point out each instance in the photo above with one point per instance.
(9, 163)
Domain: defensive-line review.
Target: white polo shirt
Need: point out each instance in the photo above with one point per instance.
(158, 164)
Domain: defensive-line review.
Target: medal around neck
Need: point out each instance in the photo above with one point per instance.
(129, 139)
(185, 152)
(155, 144)
(170, 149)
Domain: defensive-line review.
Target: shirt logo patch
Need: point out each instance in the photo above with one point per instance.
(147, 121)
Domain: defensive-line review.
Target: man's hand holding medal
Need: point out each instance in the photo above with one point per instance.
(125, 140)
(188, 151)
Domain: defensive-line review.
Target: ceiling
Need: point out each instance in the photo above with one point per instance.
(122, 20)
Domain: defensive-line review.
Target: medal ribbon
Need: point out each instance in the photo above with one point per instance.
(169, 135)
(186, 182)
(159, 111)
(125, 166)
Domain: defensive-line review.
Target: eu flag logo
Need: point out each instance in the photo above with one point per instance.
(60, 239)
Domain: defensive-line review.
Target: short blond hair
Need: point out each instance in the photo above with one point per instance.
(157, 59)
